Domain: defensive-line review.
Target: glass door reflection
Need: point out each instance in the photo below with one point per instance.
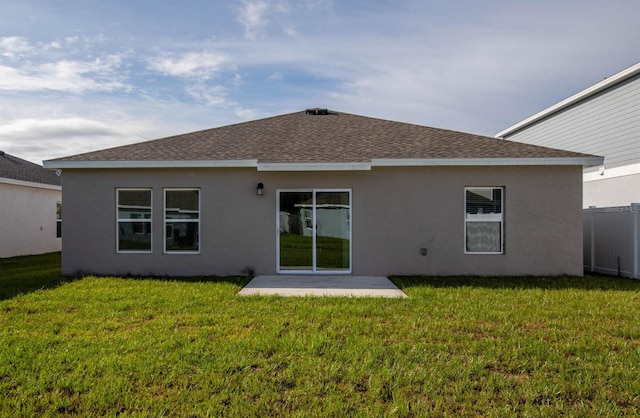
(333, 231)
(296, 231)
(314, 231)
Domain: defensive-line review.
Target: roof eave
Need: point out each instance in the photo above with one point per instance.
(584, 94)
(585, 161)
(33, 184)
(61, 164)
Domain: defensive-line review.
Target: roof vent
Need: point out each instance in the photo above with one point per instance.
(317, 111)
(1, 153)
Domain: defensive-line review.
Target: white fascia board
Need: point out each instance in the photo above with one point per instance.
(314, 166)
(596, 88)
(152, 164)
(438, 162)
(29, 184)
(359, 166)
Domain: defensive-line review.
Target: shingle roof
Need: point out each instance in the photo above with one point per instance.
(15, 168)
(332, 138)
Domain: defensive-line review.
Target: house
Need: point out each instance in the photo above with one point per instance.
(30, 208)
(603, 119)
(323, 192)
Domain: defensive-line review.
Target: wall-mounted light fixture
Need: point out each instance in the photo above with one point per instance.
(260, 189)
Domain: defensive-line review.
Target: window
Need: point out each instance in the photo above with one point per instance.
(182, 220)
(484, 219)
(134, 220)
(58, 219)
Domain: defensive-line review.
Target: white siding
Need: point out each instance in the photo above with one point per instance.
(617, 191)
(606, 124)
(28, 220)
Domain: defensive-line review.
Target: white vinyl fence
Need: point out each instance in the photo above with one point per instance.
(612, 240)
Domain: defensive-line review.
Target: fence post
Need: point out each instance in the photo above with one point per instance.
(592, 211)
(635, 209)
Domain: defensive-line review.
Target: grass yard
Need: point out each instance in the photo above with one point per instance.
(185, 348)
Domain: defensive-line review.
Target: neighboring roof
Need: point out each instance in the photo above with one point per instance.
(312, 140)
(605, 84)
(16, 171)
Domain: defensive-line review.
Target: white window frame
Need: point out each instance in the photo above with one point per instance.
(486, 217)
(166, 221)
(142, 220)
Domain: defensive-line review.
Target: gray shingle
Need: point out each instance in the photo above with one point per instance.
(336, 137)
(15, 168)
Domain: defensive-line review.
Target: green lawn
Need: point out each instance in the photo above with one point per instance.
(456, 347)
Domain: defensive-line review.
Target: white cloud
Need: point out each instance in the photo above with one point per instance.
(236, 81)
(212, 96)
(198, 68)
(42, 67)
(35, 139)
(253, 17)
(66, 76)
(203, 65)
(14, 45)
(246, 114)
(50, 128)
(54, 128)
(290, 30)
(282, 16)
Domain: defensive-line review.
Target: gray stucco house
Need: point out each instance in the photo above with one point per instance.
(603, 119)
(30, 208)
(323, 192)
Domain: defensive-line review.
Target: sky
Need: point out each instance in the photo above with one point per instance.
(83, 75)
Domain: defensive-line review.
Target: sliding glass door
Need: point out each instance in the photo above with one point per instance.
(314, 231)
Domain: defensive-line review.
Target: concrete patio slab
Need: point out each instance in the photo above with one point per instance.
(322, 285)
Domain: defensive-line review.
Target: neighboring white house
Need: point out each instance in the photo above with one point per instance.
(30, 208)
(603, 119)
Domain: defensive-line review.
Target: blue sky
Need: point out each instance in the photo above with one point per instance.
(81, 75)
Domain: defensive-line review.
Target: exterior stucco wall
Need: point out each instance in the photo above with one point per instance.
(396, 212)
(28, 220)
